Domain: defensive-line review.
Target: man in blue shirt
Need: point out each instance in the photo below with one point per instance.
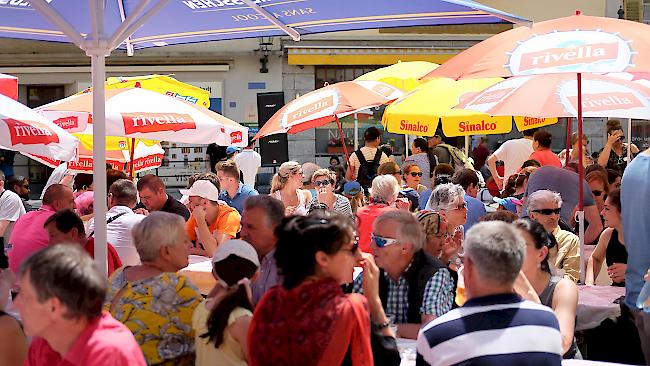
(468, 179)
(233, 191)
(635, 199)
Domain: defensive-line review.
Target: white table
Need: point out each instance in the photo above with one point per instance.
(199, 271)
(595, 304)
(407, 351)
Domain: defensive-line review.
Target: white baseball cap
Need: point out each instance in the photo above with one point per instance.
(203, 189)
(237, 247)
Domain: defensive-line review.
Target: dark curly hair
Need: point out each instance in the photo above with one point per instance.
(301, 237)
(541, 237)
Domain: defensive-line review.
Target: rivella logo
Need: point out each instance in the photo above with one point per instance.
(492, 96)
(571, 51)
(310, 109)
(32, 133)
(156, 122)
(67, 123)
(607, 101)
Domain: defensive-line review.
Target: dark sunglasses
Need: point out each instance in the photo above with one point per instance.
(323, 183)
(597, 193)
(549, 211)
(382, 241)
(415, 174)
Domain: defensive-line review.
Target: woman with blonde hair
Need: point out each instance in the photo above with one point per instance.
(286, 186)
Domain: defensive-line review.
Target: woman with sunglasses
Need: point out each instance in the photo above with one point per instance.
(420, 157)
(324, 180)
(611, 244)
(412, 177)
(614, 154)
(536, 283)
(573, 151)
(438, 243)
(599, 185)
(308, 320)
(286, 186)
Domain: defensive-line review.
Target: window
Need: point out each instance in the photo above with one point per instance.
(198, 150)
(646, 11)
(185, 150)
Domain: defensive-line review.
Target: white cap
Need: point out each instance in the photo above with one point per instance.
(203, 189)
(236, 247)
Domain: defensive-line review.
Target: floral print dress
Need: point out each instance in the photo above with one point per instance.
(158, 310)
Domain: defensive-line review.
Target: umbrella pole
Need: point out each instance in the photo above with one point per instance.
(567, 155)
(98, 60)
(406, 145)
(581, 175)
(131, 153)
(356, 132)
(345, 149)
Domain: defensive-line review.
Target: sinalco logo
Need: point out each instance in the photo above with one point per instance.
(571, 51)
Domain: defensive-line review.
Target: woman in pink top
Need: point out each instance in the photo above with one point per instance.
(542, 145)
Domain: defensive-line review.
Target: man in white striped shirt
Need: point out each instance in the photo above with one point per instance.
(495, 326)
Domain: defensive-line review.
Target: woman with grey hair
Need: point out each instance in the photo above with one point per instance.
(449, 200)
(151, 299)
(382, 198)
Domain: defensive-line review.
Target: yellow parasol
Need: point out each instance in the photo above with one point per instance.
(403, 75)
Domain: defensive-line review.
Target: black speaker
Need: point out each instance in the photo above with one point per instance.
(274, 149)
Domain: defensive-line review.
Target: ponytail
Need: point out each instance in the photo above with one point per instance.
(277, 183)
(218, 320)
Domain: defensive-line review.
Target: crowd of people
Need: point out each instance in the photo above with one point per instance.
(477, 262)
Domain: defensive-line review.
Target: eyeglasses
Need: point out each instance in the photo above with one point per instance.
(548, 211)
(415, 174)
(381, 241)
(323, 183)
(597, 193)
(460, 206)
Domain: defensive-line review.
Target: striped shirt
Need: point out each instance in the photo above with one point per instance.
(341, 205)
(492, 330)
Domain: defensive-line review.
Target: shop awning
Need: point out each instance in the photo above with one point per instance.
(368, 56)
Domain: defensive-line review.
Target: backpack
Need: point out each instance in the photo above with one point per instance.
(458, 158)
(367, 169)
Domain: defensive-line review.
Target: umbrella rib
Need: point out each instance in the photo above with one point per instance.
(52, 15)
(289, 31)
(134, 21)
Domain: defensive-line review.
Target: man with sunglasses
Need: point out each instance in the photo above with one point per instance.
(544, 207)
(414, 287)
(565, 182)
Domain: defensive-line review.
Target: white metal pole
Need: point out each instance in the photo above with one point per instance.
(98, 61)
(467, 146)
(581, 235)
(629, 140)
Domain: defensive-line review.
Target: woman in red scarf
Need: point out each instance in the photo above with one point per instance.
(308, 320)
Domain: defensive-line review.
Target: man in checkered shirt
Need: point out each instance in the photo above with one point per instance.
(414, 287)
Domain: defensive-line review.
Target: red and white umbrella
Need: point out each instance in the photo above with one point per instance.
(25, 131)
(328, 104)
(9, 86)
(145, 114)
(556, 95)
(145, 157)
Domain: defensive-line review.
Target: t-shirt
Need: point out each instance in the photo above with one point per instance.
(113, 259)
(243, 192)
(228, 222)
(104, 342)
(513, 153)
(29, 236)
(216, 154)
(11, 208)
(546, 157)
(562, 181)
(173, 206)
(475, 210)
(635, 199)
(369, 155)
(366, 217)
(492, 330)
(249, 162)
(229, 352)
